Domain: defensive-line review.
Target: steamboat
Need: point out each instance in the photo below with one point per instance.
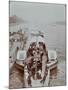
(38, 63)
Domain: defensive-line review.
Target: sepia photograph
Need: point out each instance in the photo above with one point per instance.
(37, 44)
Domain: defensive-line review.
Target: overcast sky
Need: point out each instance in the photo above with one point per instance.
(38, 12)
